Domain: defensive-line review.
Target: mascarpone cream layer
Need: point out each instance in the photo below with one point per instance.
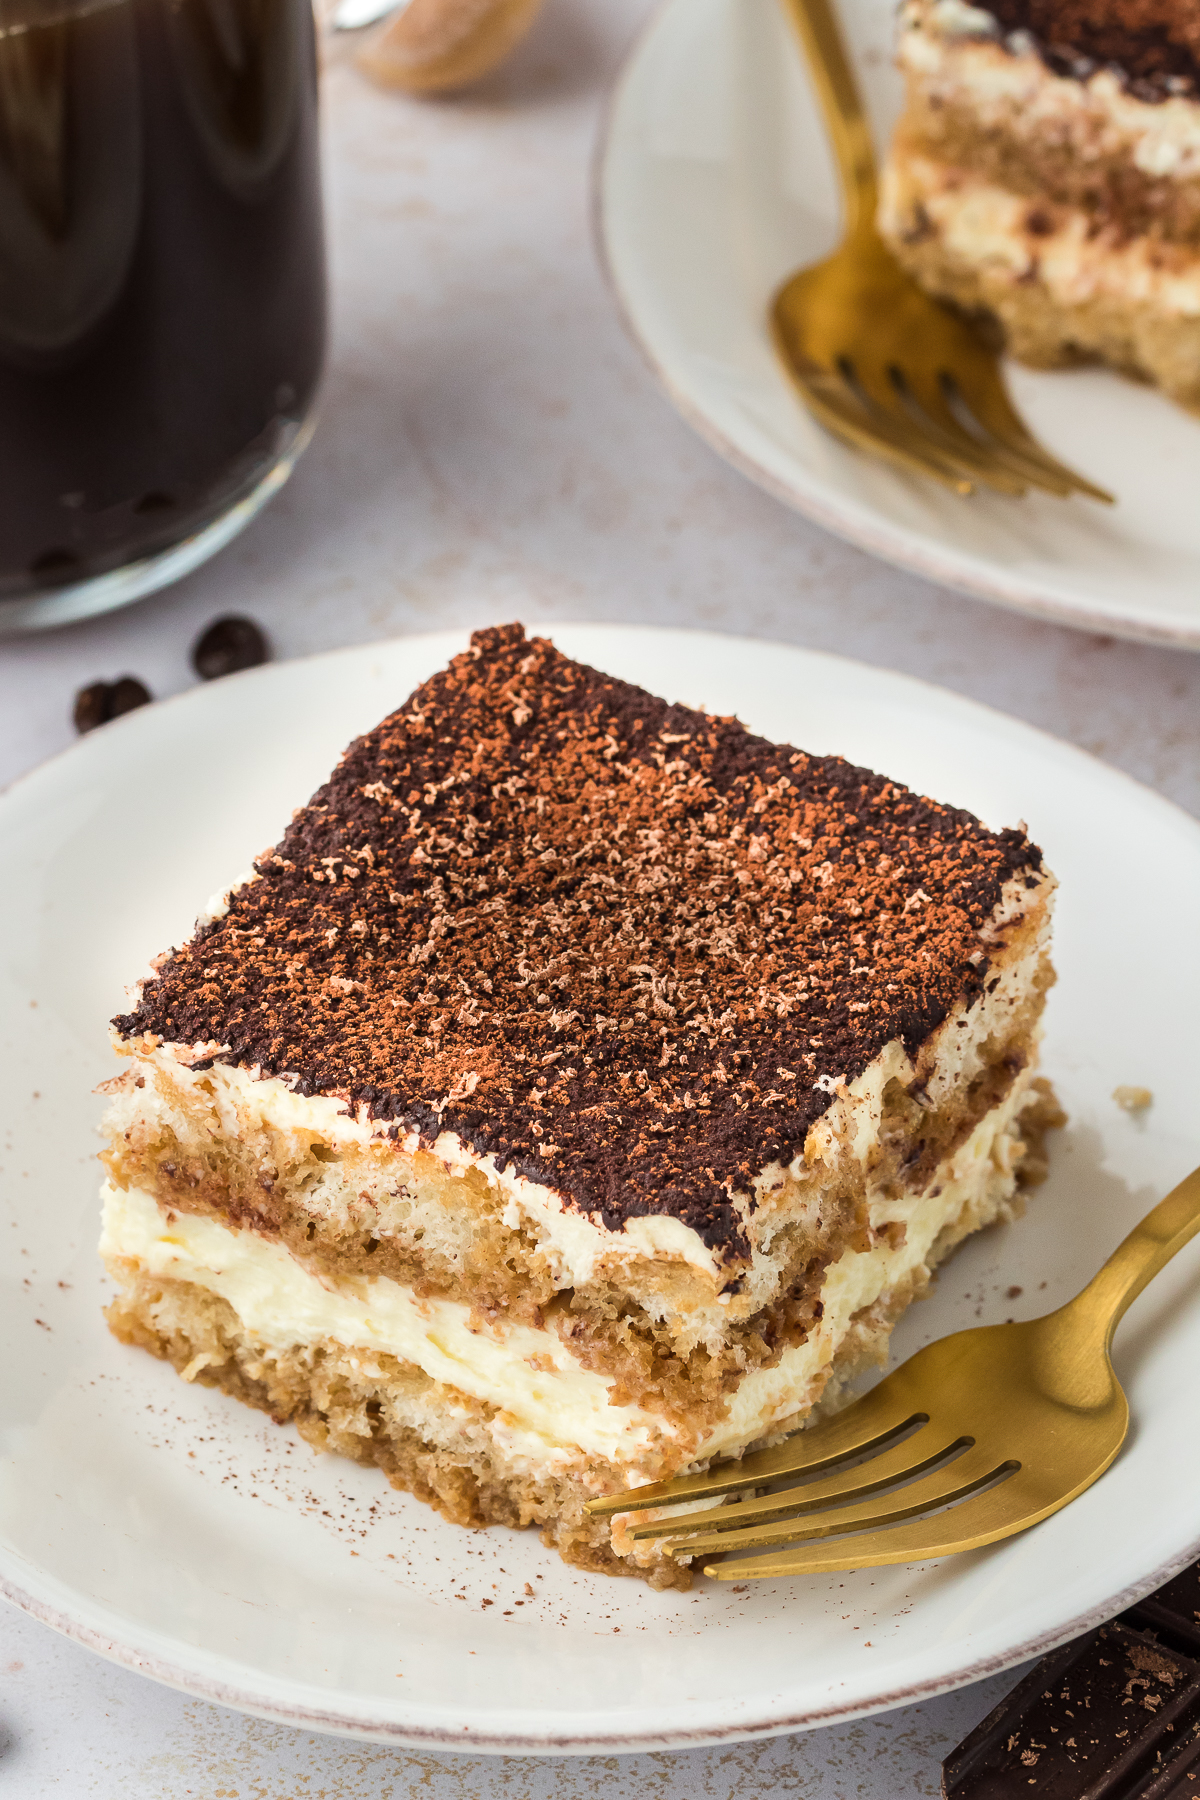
(550, 1410)
(544, 1408)
(985, 226)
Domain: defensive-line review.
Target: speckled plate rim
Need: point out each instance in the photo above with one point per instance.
(856, 523)
(221, 1680)
(148, 1659)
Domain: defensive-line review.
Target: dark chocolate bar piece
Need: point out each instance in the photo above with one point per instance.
(1113, 1716)
(1172, 1612)
(1177, 1773)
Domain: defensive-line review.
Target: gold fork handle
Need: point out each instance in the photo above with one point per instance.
(842, 105)
(1134, 1263)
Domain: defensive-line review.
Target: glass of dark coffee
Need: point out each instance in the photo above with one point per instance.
(162, 287)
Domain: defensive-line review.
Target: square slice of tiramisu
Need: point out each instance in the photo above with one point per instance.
(579, 1091)
(1046, 170)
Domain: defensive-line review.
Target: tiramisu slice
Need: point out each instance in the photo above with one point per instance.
(581, 1087)
(1046, 170)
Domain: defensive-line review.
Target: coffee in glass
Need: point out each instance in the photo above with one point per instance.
(162, 286)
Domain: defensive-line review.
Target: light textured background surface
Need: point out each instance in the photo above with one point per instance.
(492, 447)
(73, 1725)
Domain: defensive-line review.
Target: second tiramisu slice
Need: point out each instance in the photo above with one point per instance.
(1047, 170)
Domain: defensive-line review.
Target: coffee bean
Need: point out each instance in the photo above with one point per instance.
(91, 707)
(105, 700)
(125, 694)
(229, 644)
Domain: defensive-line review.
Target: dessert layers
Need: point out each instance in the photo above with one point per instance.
(1047, 170)
(554, 1408)
(504, 1422)
(537, 1172)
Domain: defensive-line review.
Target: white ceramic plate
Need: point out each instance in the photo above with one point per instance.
(714, 183)
(188, 1537)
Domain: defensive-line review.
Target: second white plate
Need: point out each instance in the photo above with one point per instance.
(714, 183)
(190, 1538)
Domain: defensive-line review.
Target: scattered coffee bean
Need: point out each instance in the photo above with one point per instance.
(228, 645)
(91, 707)
(105, 700)
(126, 694)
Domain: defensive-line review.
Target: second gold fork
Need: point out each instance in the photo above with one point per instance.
(879, 363)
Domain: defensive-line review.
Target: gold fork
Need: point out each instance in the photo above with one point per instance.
(880, 364)
(991, 1430)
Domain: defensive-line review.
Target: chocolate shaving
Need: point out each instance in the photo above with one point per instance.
(1153, 46)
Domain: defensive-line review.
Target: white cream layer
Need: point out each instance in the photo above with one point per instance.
(281, 1304)
(550, 1409)
(985, 226)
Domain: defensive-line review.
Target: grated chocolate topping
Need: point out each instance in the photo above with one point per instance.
(624, 947)
(1152, 46)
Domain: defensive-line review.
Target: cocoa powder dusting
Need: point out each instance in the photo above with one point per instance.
(624, 947)
(1152, 45)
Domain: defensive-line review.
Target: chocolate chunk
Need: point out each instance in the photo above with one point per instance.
(1113, 1716)
(105, 700)
(229, 644)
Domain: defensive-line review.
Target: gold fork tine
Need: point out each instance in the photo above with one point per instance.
(1021, 455)
(974, 1469)
(953, 443)
(834, 406)
(840, 1489)
(873, 414)
(927, 391)
(870, 1424)
(999, 1511)
(938, 1489)
(983, 394)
